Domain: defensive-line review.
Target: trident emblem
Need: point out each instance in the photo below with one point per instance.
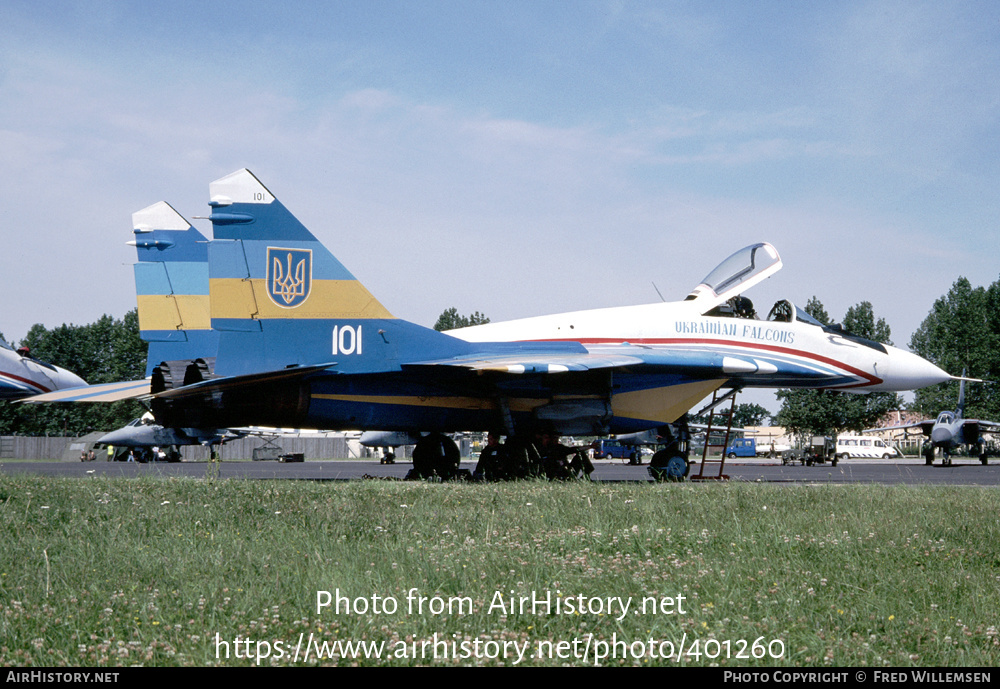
(289, 275)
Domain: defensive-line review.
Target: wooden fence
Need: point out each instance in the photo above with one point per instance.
(68, 449)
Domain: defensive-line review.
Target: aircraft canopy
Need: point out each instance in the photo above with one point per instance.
(739, 272)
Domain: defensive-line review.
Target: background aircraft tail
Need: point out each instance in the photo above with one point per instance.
(960, 410)
(279, 298)
(171, 284)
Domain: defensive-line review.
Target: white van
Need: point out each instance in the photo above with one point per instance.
(854, 446)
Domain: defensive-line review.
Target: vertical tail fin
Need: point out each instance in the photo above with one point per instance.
(171, 284)
(279, 298)
(960, 410)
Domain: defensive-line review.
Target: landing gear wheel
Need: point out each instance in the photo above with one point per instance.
(435, 454)
(929, 457)
(983, 459)
(677, 468)
(946, 460)
(447, 458)
(667, 465)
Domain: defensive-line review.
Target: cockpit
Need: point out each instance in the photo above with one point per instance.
(25, 353)
(736, 274)
(719, 294)
(946, 417)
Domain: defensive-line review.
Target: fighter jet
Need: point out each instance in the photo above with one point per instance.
(950, 430)
(302, 343)
(144, 434)
(21, 375)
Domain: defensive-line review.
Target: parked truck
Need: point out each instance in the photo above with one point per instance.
(751, 447)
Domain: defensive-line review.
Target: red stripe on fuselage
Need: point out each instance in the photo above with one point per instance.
(26, 381)
(872, 380)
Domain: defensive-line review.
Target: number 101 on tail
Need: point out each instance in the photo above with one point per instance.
(346, 339)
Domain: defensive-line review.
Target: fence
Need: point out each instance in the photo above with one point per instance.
(68, 449)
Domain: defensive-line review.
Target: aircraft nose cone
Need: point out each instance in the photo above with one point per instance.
(112, 438)
(119, 437)
(135, 436)
(66, 380)
(911, 372)
(940, 435)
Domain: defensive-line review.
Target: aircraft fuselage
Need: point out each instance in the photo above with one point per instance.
(22, 376)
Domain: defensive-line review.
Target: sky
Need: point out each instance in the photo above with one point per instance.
(515, 158)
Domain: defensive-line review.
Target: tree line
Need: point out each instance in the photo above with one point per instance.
(962, 333)
(105, 351)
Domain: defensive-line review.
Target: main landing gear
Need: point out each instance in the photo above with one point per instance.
(435, 455)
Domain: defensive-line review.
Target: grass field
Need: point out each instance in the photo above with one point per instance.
(204, 572)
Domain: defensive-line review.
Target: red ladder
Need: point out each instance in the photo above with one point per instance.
(717, 419)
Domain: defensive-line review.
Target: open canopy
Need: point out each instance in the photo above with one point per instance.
(739, 272)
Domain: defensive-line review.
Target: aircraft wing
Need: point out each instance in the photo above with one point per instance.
(925, 427)
(534, 363)
(228, 383)
(982, 426)
(703, 361)
(106, 392)
(137, 389)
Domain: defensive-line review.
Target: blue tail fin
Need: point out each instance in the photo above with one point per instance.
(171, 284)
(279, 298)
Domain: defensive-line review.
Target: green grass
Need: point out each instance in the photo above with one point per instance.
(124, 572)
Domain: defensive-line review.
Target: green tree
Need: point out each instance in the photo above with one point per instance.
(826, 412)
(814, 307)
(860, 320)
(962, 333)
(450, 319)
(749, 414)
(105, 351)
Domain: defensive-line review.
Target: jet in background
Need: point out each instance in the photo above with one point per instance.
(950, 430)
(302, 343)
(144, 434)
(21, 375)
(388, 440)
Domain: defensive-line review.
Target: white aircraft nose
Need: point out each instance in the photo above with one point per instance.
(64, 379)
(907, 371)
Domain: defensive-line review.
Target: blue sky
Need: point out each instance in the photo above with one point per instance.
(516, 158)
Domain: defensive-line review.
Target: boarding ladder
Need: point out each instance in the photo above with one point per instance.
(720, 415)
